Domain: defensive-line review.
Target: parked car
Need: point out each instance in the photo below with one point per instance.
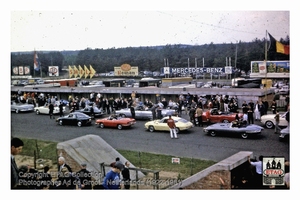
(284, 90)
(45, 109)
(284, 134)
(21, 107)
(143, 113)
(75, 118)
(269, 120)
(233, 129)
(216, 116)
(161, 124)
(115, 121)
(87, 110)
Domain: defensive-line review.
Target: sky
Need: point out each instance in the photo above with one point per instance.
(70, 29)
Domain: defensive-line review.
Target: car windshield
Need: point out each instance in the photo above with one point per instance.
(182, 120)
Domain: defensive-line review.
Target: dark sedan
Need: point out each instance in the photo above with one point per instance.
(75, 118)
(233, 129)
(87, 110)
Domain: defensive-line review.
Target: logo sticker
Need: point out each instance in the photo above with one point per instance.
(273, 171)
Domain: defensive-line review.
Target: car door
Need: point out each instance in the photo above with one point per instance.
(162, 125)
(72, 119)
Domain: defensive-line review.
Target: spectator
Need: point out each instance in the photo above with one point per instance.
(273, 107)
(61, 108)
(277, 120)
(126, 176)
(51, 108)
(15, 149)
(85, 177)
(112, 179)
(258, 171)
(250, 115)
(199, 113)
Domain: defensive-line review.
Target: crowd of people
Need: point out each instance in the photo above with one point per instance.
(27, 177)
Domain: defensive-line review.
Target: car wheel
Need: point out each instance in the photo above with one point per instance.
(79, 123)
(212, 133)
(225, 121)
(269, 124)
(37, 112)
(120, 126)
(151, 128)
(17, 111)
(101, 125)
(244, 135)
(60, 122)
(123, 115)
(177, 130)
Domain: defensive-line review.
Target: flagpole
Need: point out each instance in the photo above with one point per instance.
(266, 57)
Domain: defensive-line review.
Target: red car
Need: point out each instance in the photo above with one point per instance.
(114, 121)
(216, 116)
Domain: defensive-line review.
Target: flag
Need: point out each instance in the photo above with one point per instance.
(278, 47)
(36, 62)
(92, 71)
(81, 71)
(75, 71)
(71, 71)
(87, 71)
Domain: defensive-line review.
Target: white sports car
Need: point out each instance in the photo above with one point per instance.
(45, 109)
(161, 124)
(269, 120)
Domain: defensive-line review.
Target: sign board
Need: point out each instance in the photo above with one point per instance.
(176, 160)
(53, 71)
(126, 70)
(228, 70)
(166, 70)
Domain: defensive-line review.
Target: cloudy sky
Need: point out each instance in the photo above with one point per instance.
(70, 29)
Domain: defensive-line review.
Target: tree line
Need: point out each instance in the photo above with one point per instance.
(153, 58)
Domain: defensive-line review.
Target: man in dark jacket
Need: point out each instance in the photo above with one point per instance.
(85, 177)
(126, 176)
(16, 148)
(51, 108)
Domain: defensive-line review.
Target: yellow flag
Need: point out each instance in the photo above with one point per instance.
(71, 72)
(76, 72)
(87, 71)
(81, 71)
(92, 71)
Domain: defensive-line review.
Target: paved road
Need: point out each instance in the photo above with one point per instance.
(192, 144)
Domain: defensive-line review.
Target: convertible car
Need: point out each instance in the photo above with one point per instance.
(142, 113)
(269, 121)
(21, 107)
(233, 129)
(87, 110)
(216, 116)
(45, 109)
(115, 121)
(75, 118)
(161, 124)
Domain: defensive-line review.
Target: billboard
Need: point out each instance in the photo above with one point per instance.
(270, 69)
(126, 70)
(21, 70)
(53, 71)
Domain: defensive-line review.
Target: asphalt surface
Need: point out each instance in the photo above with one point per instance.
(193, 143)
